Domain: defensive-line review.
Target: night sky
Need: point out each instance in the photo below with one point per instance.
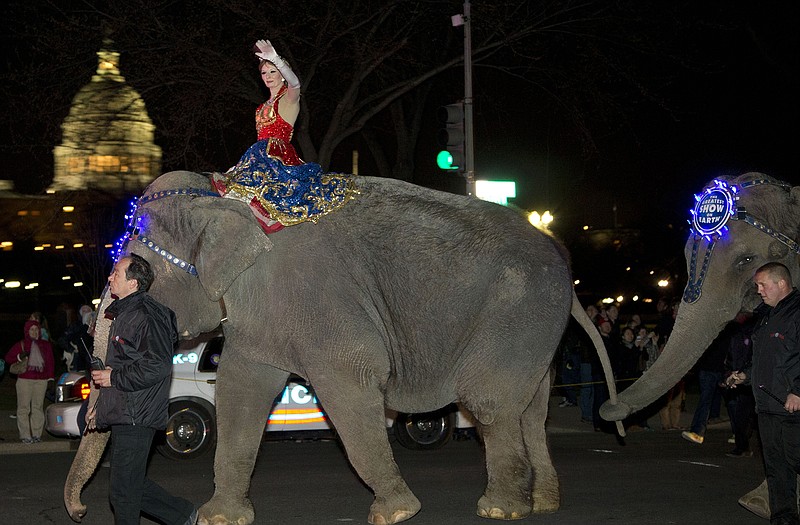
(736, 113)
(726, 105)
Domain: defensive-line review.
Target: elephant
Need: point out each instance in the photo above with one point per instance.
(406, 298)
(739, 223)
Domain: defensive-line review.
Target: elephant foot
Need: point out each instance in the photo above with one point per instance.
(384, 513)
(506, 510)
(757, 501)
(226, 511)
(546, 506)
(546, 494)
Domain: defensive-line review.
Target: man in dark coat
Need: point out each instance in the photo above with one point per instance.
(775, 378)
(134, 398)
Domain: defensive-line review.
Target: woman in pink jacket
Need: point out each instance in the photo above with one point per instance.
(32, 383)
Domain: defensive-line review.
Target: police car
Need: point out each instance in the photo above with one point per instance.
(191, 429)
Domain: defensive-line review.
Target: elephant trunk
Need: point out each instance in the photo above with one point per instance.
(696, 327)
(93, 443)
(83, 466)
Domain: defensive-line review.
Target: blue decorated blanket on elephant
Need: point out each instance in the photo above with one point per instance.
(283, 195)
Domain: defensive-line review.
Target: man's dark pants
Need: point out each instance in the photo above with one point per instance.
(741, 408)
(131, 492)
(709, 384)
(780, 438)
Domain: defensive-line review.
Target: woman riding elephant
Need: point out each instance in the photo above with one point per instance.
(271, 178)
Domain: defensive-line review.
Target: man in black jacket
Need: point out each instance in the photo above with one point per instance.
(134, 398)
(775, 377)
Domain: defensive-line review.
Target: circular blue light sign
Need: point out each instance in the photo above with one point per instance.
(712, 211)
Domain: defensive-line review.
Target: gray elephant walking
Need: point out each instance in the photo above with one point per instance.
(739, 224)
(406, 298)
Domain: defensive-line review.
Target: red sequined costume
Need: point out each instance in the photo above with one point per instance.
(277, 132)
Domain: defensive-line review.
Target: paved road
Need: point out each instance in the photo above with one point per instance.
(655, 478)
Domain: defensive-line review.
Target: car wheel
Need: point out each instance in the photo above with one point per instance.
(190, 431)
(427, 431)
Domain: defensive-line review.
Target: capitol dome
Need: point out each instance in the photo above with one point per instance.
(107, 138)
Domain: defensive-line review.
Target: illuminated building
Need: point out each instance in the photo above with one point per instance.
(107, 138)
(106, 156)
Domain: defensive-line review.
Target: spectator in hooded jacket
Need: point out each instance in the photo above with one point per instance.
(32, 383)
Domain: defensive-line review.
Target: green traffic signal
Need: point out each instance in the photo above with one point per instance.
(445, 161)
(451, 136)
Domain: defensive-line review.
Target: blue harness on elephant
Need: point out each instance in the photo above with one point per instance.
(134, 232)
(716, 205)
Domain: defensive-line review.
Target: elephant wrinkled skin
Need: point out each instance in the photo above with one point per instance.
(728, 289)
(406, 298)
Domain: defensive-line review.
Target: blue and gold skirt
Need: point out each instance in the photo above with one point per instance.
(288, 194)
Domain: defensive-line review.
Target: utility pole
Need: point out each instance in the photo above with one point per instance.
(469, 142)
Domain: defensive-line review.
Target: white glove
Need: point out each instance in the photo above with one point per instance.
(267, 52)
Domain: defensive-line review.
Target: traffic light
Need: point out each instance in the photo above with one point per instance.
(452, 137)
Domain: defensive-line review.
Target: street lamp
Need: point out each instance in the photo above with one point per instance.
(541, 221)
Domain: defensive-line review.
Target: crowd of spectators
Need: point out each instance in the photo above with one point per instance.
(633, 347)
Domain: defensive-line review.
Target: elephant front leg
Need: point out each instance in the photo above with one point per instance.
(757, 501)
(244, 394)
(362, 431)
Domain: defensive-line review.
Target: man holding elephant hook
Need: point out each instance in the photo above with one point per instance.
(775, 377)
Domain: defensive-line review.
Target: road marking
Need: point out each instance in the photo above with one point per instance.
(699, 463)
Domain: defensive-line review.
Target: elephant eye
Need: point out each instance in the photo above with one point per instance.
(745, 261)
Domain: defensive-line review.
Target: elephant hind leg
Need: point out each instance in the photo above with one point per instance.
(507, 494)
(546, 490)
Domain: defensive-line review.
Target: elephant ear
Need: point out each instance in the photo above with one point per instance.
(229, 241)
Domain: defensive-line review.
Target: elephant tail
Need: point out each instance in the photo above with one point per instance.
(582, 318)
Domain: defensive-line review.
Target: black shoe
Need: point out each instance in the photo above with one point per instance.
(740, 453)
